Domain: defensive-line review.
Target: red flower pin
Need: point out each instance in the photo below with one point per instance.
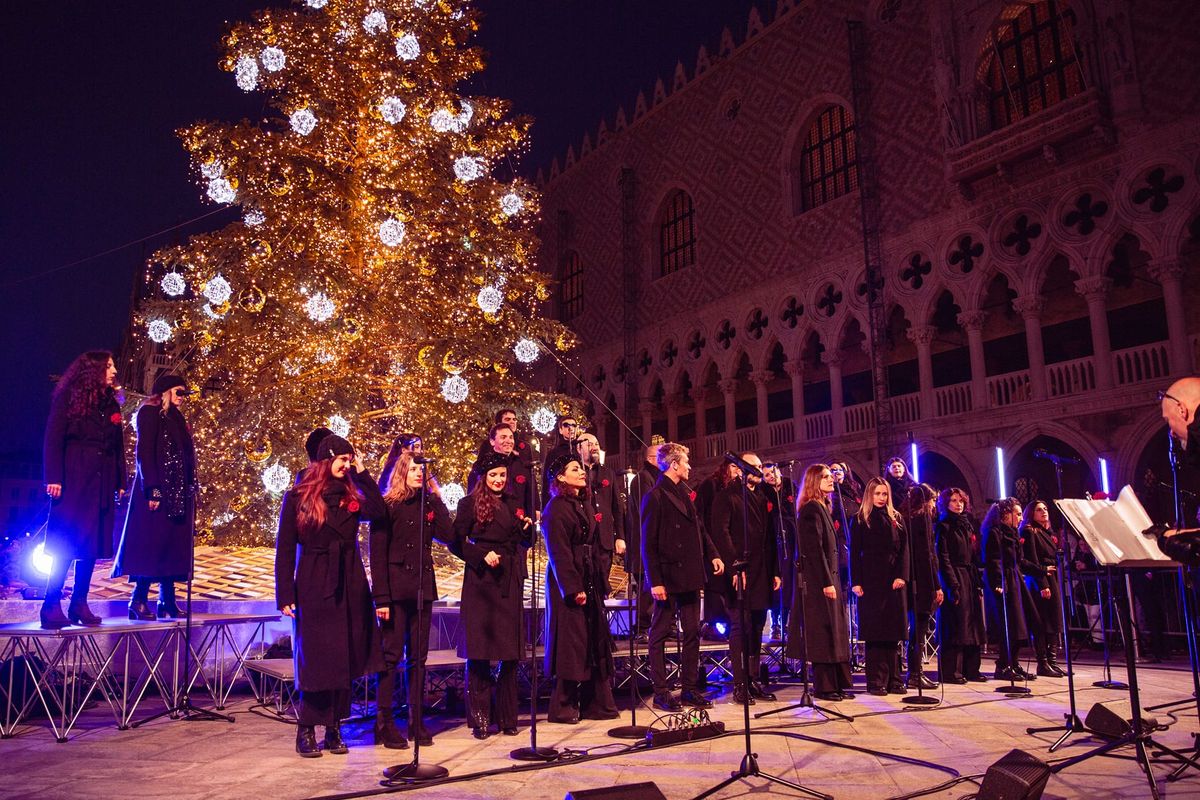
(770, 506)
(520, 445)
(520, 512)
(604, 482)
(692, 496)
(972, 538)
(599, 516)
(520, 479)
(791, 498)
(429, 516)
(1054, 540)
(1021, 540)
(115, 419)
(352, 505)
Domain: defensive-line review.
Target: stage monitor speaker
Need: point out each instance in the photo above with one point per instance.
(630, 791)
(1114, 719)
(1016, 776)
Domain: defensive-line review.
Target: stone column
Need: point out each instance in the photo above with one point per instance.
(729, 390)
(761, 380)
(1095, 291)
(621, 444)
(833, 360)
(673, 402)
(700, 399)
(922, 337)
(647, 408)
(795, 371)
(1169, 274)
(1030, 308)
(972, 322)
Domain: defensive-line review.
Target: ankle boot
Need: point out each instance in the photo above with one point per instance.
(334, 742)
(388, 735)
(140, 609)
(1052, 662)
(79, 613)
(52, 615)
(306, 741)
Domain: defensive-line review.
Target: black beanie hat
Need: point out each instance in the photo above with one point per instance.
(559, 465)
(333, 446)
(490, 461)
(314, 441)
(165, 383)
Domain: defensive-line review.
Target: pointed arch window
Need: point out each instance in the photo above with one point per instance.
(677, 233)
(829, 159)
(570, 298)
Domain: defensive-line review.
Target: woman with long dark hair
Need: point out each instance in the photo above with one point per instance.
(395, 566)
(578, 645)
(819, 635)
(960, 621)
(880, 570)
(924, 592)
(1039, 548)
(83, 458)
(156, 544)
(1004, 592)
(321, 584)
(492, 532)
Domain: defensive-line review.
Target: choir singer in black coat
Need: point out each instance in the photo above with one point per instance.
(493, 532)
(321, 584)
(880, 569)
(396, 562)
(578, 644)
(960, 618)
(1005, 595)
(924, 590)
(1039, 548)
(606, 500)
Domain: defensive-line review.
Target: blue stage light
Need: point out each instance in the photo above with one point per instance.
(41, 561)
(1000, 473)
(722, 628)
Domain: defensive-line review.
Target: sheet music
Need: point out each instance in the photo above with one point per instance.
(1113, 530)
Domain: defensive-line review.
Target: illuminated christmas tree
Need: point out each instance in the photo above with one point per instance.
(381, 278)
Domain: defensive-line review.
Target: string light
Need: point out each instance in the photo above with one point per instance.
(218, 290)
(392, 109)
(452, 494)
(221, 190)
(172, 284)
(511, 204)
(526, 350)
(253, 217)
(407, 47)
(276, 478)
(212, 169)
(391, 232)
(375, 22)
(543, 420)
(273, 59)
(468, 168)
(317, 4)
(246, 74)
(489, 299)
(303, 121)
(339, 425)
(159, 330)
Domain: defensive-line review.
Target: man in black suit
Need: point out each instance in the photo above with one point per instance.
(677, 553)
(642, 482)
(606, 502)
(568, 431)
(520, 478)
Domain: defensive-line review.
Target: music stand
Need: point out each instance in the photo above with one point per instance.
(1113, 532)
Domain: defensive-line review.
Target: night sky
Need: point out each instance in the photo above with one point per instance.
(90, 162)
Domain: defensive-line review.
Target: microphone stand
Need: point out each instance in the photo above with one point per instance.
(851, 599)
(415, 771)
(919, 699)
(749, 766)
(783, 548)
(632, 730)
(1012, 690)
(1105, 621)
(533, 752)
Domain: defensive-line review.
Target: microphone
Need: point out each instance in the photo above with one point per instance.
(423, 459)
(743, 465)
(1057, 459)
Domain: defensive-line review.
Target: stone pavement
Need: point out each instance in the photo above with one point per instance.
(254, 757)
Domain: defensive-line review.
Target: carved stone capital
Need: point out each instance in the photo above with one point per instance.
(794, 369)
(1030, 306)
(831, 358)
(762, 377)
(972, 320)
(647, 406)
(728, 386)
(921, 335)
(1093, 288)
(674, 401)
(1164, 270)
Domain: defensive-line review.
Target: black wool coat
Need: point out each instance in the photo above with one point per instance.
(86, 456)
(643, 481)
(493, 615)
(521, 449)
(878, 556)
(577, 637)
(520, 481)
(393, 545)
(606, 501)
(845, 502)
(676, 549)
(924, 584)
(1001, 545)
(1040, 549)
(821, 634)
(960, 618)
(158, 544)
(753, 535)
(337, 638)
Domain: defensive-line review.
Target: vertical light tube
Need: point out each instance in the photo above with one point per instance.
(916, 464)
(1104, 475)
(1000, 473)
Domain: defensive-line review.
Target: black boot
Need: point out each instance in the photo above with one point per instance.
(77, 610)
(141, 610)
(741, 695)
(79, 613)
(167, 606)
(333, 740)
(388, 735)
(52, 615)
(1052, 663)
(306, 742)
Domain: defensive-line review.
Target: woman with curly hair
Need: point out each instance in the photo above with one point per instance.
(83, 456)
(156, 544)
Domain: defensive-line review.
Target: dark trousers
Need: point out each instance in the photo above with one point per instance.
(58, 579)
(166, 591)
(604, 559)
(740, 639)
(480, 684)
(1008, 656)
(714, 600)
(959, 661)
(404, 643)
(590, 699)
(883, 665)
(687, 606)
(916, 641)
(326, 708)
(831, 677)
